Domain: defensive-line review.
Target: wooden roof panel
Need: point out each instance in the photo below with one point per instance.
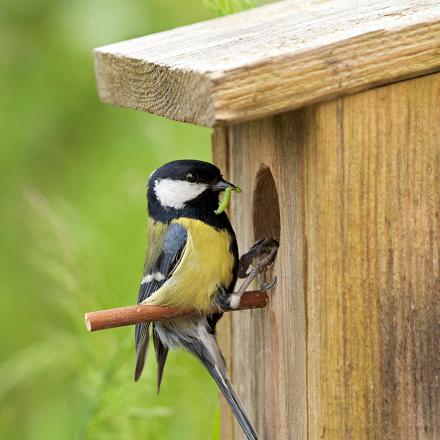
(271, 59)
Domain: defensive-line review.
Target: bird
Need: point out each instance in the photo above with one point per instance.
(191, 263)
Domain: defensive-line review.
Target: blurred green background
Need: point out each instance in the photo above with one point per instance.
(73, 229)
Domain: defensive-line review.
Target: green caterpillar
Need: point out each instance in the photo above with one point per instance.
(224, 203)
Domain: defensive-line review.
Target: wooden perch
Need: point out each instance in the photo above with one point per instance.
(130, 315)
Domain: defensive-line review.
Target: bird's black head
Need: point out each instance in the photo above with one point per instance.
(185, 188)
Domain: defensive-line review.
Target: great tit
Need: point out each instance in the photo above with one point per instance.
(192, 259)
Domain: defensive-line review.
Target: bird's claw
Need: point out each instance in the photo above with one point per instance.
(266, 246)
(268, 285)
(261, 268)
(268, 260)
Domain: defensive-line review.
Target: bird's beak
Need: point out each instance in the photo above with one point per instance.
(221, 185)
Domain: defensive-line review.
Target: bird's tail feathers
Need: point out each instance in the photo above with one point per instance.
(161, 352)
(231, 397)
(142, 342)
(216, 367)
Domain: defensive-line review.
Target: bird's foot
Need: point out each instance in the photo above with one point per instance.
(265, 285)
(261, 267)
(259, 257)
(267, 247)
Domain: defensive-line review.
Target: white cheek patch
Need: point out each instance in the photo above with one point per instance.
(176, 193)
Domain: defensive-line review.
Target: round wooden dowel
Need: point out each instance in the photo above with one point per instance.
(130, 315)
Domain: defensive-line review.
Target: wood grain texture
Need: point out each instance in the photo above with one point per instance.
(271, 344)
(372, 196)
(348, 347)
(220, 156)
(271, 59)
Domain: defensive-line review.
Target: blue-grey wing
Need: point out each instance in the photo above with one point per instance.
(155, 276)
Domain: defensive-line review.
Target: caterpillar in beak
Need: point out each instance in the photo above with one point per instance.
(224, 203)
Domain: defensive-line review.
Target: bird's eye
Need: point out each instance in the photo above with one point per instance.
(190, 177)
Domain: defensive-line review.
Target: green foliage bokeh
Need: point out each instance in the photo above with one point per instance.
(73, 234)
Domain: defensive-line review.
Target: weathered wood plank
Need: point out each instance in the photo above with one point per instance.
(372, 197)
(220, 156)
(348, 347)
(271, 59)
(269, 348)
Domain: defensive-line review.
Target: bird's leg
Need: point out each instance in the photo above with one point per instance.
(227, 301)
(260, 248)
(257, 272)
(267, 246)
(263, 284)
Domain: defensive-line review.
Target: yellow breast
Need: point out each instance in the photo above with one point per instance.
(206, 264)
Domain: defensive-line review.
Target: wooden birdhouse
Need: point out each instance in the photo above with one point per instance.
(327, 114)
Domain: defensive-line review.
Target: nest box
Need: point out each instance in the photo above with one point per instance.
(327, 113)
